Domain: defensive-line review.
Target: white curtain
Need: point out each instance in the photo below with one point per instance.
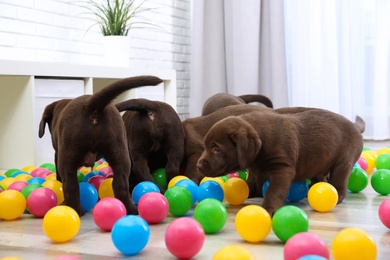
(238, 47)
(338, 59)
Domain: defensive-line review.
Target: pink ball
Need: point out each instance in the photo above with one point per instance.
(18, 185)
(67, 257)
(107, 171)
(107, 211)
(153, 207)
(303, 244)
(184, 237)
(40, 201)
(40, 172)
(233, 175)
(96, 181)
(363, 163)
(384, 212)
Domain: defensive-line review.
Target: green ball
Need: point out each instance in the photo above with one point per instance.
(380, 181)
(383, 161)
(358, 180)
(211, 214)
(365, 148)
(288, 221)
(29, 188)
(160, 178)
(49, 166)
(243, 174)
(9, 172)
(179, 200)
(225, 178)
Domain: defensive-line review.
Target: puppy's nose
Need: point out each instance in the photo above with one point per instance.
(200, 165)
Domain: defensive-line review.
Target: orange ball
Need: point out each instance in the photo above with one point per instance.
(236, 191)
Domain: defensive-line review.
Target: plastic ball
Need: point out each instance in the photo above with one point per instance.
(29, 168)
(380, 181)
(66, 257)
(88, 196)
(15, 174)
(6, 182)
(91, 174)
(159, 176)
(36, 180)
(236, 191)
(312, 257)
(61, 223)
(210, 189)
(55, 186)
(322, 197)
(96, 181)
(363, 163)
(243, 174)
(184, 238)
(383, 161)
(358, 180)
(49, 166)
(105, 189)
(370, 157)
(80, 176)
(107, 211)
(23, 177)
(179, 200)
(12, 204)
(233, 252)
(288, 221)
(40, 172)
(211, 214)
(9, 172)
(384, 212)
(253, 223)
(303, 244)
(298, 191)
(142, 188)
(29, 188)
(380, 151)
(18, 185)
(153, 207)
(40, 201)
(191, 186)
(353, 243)
(175, 179)
(130, 234)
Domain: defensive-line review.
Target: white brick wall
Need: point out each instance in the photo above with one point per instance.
(57, 31)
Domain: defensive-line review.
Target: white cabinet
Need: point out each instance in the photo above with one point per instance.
(27, 87)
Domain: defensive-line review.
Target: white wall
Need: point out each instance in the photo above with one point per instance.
(57, 31)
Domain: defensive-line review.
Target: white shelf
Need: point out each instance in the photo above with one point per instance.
(17, 93)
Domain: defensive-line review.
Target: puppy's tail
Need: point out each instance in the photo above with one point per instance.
(138, 104)
(360, 124)
(257, 98)
(102, 98)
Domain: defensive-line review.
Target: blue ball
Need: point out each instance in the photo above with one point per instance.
(91, 174)
(191, 186)
(130, 234)
(298, 191)
(142, 188)
(210, 189)
(312, 257)
(88, 196)
(36, 180)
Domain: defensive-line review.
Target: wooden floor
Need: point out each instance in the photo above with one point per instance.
(24, 238)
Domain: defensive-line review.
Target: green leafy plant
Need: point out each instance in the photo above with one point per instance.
(117, 17)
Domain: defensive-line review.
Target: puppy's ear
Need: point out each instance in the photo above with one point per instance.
(47, 116)
(248, 145)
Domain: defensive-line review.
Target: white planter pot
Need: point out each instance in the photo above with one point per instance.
(116, 51)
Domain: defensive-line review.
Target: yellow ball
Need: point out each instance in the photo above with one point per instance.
(175, 179)
(55, 186)
(61, 223)
(12, 204)
(219, 181)
(353, 243)
(6, 182)
(105, 189)
(322, 197)
(23, 177)
(52, 176)
(103, 165)
(236, 191)
(10, 258)
(370, 157)
(233, 252)
(253, 223)
(206, 179)
(85, 170)
(383, 150)
(29, 168)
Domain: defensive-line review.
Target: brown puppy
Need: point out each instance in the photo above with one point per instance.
(221, 100)
(89, 127)
(155, 138)
(284, 148)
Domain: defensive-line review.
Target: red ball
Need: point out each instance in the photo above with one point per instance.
(184, 237)
(303, 244)
(40, 201)
(96, 181)
(384, 212)
(153, 207)
(107, 211)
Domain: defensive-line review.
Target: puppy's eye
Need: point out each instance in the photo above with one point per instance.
(215, 149)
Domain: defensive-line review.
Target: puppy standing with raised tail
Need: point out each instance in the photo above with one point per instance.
(89, 127)
(313, 144)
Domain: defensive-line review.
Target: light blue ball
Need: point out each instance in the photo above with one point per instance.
(130, 234)
(142, 188)
(191, 186)
(210, 189)
(89, 196)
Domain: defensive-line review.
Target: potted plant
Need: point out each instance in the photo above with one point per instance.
(116, 18)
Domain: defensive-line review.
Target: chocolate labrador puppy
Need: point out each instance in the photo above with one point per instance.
(284, 148)
(221, 100)
(86, 128)
(155, 138)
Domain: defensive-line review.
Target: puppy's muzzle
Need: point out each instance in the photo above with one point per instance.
(201, 165)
